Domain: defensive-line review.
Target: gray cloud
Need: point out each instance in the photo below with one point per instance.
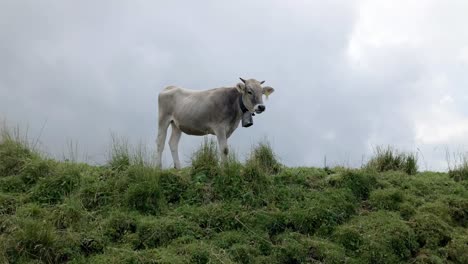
(86, 69)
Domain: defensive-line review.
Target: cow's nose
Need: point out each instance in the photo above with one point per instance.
(261, 108)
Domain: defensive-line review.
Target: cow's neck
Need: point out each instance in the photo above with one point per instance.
(242, 105)
(246, 116)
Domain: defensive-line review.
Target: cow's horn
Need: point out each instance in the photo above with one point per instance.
(262, 82)
(242, 79)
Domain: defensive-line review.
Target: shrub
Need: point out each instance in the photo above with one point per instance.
(386, 159)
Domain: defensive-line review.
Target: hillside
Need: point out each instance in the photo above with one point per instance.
(253, 212)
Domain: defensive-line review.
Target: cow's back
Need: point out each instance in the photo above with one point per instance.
(196, 112)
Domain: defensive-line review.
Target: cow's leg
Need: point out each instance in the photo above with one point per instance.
(222, 144)
(174, 145)
(161, 139)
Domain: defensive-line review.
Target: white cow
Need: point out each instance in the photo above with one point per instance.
(216, 111)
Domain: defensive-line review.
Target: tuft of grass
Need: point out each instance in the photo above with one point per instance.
(61, 183)
(458, 208)
(119, 159)
(173, 186)
(36, 240)
(459, 171)
(8, 204)
(360, 183)
(388, 159)
(14, 153)
(205, 161)
(248, 183)
(69, 214)
(145, 194)
(386, 199)
(322, 212)
(118, 225)
(457, 249)
(431, 231)
(293, 247)
(263, 156)
(378, 237)
(153, 233)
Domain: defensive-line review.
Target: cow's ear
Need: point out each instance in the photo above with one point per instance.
(240, 87)
(267, 90)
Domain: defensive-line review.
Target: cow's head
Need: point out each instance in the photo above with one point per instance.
(252, 92)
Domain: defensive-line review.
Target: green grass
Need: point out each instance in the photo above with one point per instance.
(258, 211)
(388, 159)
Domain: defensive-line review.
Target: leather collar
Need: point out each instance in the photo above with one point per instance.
(242, 106)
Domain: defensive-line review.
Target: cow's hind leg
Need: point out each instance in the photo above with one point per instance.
(161, 139)
(174, 145)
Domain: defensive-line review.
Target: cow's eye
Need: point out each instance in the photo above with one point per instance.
(249, 92)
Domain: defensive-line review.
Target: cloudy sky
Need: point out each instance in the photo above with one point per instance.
(348, 75)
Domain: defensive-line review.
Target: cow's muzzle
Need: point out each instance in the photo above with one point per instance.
(259, 108)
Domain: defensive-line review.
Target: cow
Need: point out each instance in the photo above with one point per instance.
(216, 111)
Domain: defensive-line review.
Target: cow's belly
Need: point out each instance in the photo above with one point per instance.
(194, 132)
(193, 129)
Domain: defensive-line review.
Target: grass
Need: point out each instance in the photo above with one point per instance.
(388, 158)
(257, 211)
(459, 170)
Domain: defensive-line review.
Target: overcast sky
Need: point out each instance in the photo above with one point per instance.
(348, 75)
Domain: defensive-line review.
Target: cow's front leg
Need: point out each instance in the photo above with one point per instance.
(222, 144)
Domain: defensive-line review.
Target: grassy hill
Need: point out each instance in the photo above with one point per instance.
(255, 212)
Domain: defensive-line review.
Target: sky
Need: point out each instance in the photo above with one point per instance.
(348, 75)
